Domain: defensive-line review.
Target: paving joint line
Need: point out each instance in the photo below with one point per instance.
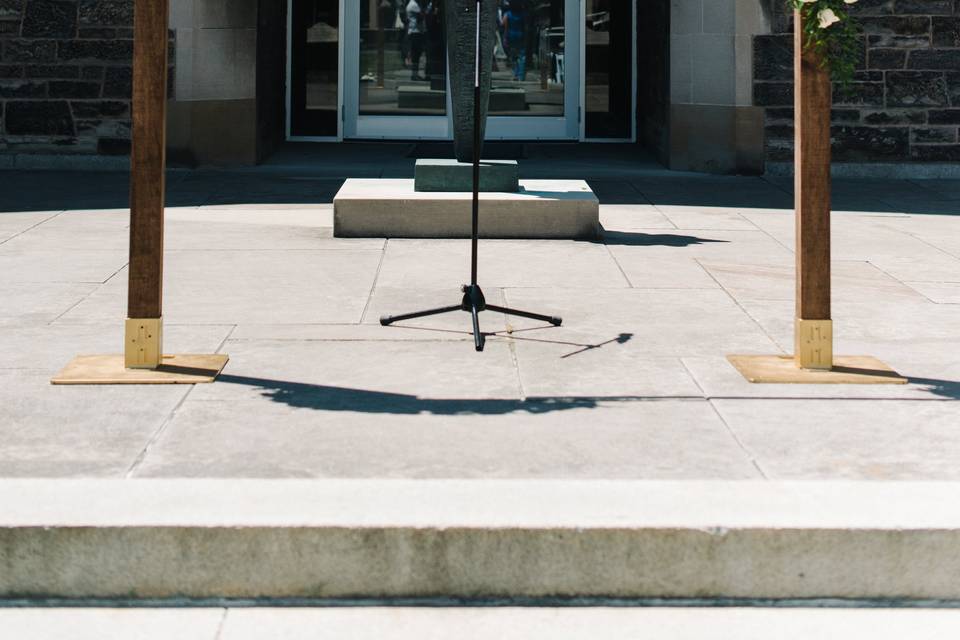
(221, 624)
(170, 416)
(32, 227)
(376, 279)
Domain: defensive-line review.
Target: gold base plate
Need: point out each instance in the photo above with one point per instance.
(178, 369)
(846, 370)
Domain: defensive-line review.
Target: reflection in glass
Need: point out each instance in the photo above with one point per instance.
(403, 58)
(609, 73)
(529, 56)
(314, 63)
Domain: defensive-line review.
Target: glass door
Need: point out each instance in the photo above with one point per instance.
(536, 78)
(395, 71)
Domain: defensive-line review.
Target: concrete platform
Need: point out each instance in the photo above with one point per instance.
(202, 539)
(392, 208)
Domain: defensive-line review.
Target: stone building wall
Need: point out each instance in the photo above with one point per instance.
(905, 102)
(65, 76)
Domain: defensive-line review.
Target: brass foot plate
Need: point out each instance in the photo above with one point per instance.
(846, 370)
(111, 369)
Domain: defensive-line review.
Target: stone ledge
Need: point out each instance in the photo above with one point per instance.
(542, 209)
(195, 539)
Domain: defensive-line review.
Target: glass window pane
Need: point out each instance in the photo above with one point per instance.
(314, 64)
(528, 75)
(609, 72)
(403, 58)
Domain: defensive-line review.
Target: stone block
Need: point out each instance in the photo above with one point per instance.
(439, 175)
(39, 118)
(508, 99)
(556, 209)
(50, 19)
(412, 97)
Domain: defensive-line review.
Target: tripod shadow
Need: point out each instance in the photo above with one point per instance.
(328, 398)
(943, 388)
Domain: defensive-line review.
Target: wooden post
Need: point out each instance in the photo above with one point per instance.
(147, 185)
(813, 100)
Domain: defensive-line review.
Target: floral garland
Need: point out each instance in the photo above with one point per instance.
(832, 33)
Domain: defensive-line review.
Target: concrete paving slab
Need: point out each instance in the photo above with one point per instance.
(440, 370)
(112, 624)
(207, 229)
(938, 292)
(776, 280)
(405, 436)
(815, 439)
(370, 332)
(588, 624)
(426, 264)
(706, 217)
(93, 230)
(49, 347)
(652, 322)
(28, 304)
(632, 217)
(41, 265)
(712, 244)
(646, 271)
(13, 223)
(52, 431)
(251, 286)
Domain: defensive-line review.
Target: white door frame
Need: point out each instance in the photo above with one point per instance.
(362, 127)
(566, 127)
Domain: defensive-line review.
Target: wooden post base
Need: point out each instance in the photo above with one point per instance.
(143, 343)
(111, 369)
(845, 370)
(814, 344)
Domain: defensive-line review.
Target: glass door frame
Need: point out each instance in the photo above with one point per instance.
(354, 125)
(572, 126)
(367, 127)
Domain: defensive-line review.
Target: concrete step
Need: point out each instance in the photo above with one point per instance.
(393, 208)
(480, 624)
(373, 539)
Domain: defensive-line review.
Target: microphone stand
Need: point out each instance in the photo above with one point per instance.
(473, 300)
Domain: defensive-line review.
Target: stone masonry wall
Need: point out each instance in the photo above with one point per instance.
(65, 76)
(905, 101)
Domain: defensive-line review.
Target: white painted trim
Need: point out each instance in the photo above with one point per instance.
(288, 81)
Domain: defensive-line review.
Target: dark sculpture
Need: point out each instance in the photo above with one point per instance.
(461, 19)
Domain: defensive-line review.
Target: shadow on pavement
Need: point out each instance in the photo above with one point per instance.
(943, 388)
(328, 398)
(632, 239)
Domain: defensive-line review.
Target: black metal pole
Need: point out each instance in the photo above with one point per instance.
(475, 237)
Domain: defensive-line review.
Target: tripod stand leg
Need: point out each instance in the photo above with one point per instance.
(479, 340)
(554, 320)
(388, 320)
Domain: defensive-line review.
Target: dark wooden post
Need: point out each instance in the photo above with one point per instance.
(147, 184)
(813, 100)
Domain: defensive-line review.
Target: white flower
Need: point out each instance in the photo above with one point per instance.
(827, 17)
(850, 1)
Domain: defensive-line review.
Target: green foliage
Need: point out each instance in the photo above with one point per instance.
(838, 44)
